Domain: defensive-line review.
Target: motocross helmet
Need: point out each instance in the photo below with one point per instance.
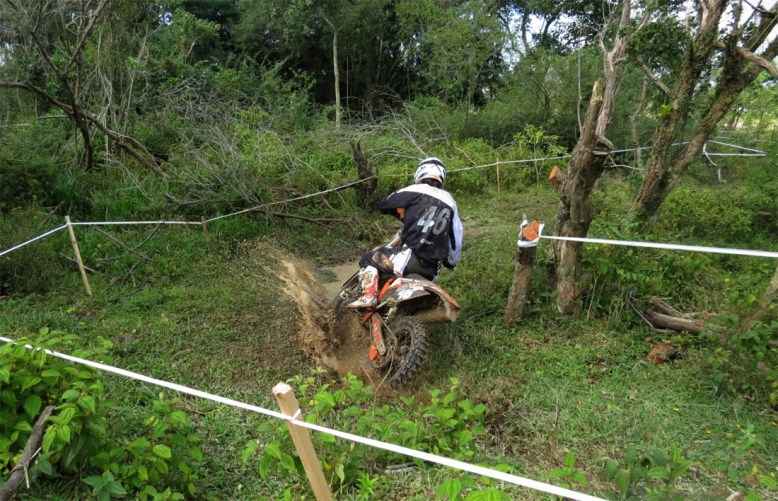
(430, 168)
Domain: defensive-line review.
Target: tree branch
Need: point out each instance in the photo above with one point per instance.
(754, 58)
(19, 473)
(643, 66)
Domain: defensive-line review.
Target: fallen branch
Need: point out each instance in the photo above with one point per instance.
(672, 319)
(31, 448)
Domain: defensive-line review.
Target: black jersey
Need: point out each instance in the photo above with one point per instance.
(431, 224)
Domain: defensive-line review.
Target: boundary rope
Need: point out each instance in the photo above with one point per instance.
(653, 245)
(19, 246)
(424, 456)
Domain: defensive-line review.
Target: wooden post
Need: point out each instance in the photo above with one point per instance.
(78, 256)
(205, 227)
(498, 176)
(525, 261)
(302, 442)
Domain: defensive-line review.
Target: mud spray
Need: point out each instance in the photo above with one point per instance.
(337, 343)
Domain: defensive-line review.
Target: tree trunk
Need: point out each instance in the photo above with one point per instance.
(336, 73)
(86, 136)
(365, 171)
(574, 213)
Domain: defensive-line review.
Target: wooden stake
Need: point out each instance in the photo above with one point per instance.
(205, 227)
(522, 275)
(78, 256)
(302, 442)
(498, 176)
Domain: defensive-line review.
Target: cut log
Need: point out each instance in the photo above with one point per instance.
(674, 323)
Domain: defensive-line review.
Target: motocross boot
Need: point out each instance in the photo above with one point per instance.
(369, 281)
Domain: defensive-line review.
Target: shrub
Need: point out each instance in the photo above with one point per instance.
(448, 425)
(84, 434)
(29, 381)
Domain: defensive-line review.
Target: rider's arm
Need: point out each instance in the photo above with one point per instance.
(455, 244)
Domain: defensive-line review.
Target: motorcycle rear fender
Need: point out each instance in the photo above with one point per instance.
(406, 289)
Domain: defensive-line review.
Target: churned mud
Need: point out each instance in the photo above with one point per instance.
(337, 343)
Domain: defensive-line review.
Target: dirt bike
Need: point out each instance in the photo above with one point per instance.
(397, 324)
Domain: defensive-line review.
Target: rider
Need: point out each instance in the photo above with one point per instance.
(431, 233)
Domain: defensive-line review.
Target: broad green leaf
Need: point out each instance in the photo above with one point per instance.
(66, 415)
(264, 465)
(579, 477)
(23, 426)
(48, 438)
(287, 462)
(196, 453)
(178, 417)
(611, 468)
(63, 432)
(143, 473)
(622, 481)
(162, 451)
(27, 382)
(273, 450)
(656, 456)
(327, 438)
(339, 471)
(450, 488)
(768, 482)
(87, 402)
(248, 450)
(70, 395)
(115, 487)
(43, 466)
(95, 481)
(489, 494)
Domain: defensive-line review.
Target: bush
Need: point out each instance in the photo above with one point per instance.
(448, 425)
(85, 435)
(29, 381)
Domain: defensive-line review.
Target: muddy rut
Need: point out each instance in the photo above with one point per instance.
(339, 344)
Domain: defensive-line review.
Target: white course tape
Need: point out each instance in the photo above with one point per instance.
(19, 246)
(653, 245)
(424, 456)
(125, 223)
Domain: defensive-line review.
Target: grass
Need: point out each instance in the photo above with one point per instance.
(213, 316)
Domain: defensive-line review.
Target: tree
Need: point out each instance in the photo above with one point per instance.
(744, 53)
(456, 50)
(574, 212)
(54, 54)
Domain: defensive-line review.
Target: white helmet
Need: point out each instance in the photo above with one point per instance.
(430, 168)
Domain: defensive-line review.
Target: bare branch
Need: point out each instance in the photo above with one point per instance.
(650, 74)
(19, 472)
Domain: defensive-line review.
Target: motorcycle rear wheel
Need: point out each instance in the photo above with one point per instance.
(408, 349)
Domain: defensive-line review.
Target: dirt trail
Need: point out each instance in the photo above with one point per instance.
(340, 344)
